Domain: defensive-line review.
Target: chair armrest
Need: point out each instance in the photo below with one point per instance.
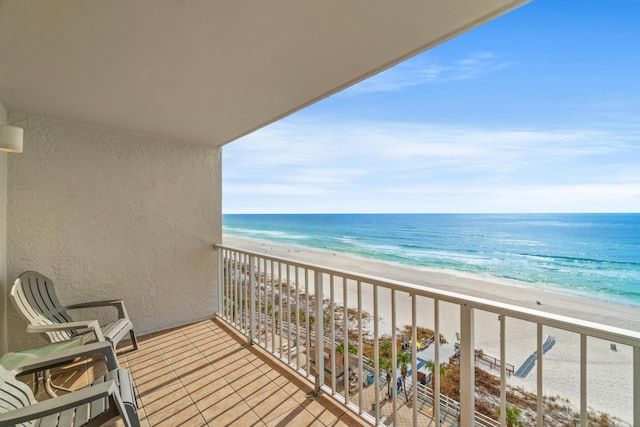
(80, 324)
(61, 403)
(44, 362)
(117, 303)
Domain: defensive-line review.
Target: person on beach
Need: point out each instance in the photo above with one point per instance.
(389, 389)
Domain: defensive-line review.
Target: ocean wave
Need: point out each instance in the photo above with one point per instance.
(589, 255)
(466, 261)
(574, 259)
(266, 233)
(550, 223)
(344, 239)
(521, 242)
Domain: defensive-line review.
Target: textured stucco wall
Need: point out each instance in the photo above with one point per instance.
(3, 241)
(110, 214)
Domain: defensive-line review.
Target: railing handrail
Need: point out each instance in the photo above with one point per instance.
(597, 330)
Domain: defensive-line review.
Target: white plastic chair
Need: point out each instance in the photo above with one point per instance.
(108, 397)
(34, 296)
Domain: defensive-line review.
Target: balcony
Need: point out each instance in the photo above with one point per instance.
(275, 303)
(202, 374)
(252, 365)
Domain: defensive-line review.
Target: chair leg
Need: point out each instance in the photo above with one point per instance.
(37, 376)
(134, 340)
(49, 385)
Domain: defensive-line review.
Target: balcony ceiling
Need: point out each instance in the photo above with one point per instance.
(208, 71)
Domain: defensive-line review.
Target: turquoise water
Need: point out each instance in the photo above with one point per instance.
(593, 255)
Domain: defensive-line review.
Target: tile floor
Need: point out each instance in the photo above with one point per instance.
(202, 375)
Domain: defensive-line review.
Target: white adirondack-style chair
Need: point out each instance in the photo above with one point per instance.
(108, 397)
(34, 296)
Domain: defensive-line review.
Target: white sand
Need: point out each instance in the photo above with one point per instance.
(609, 372)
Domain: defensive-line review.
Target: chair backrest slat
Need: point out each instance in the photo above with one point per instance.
(14, 394)
(34, 295)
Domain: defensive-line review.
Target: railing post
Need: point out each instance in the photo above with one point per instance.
(259, 302)
(467, 364)
(252, 301)
(636, 386)
(220, 279)
(236, 291)
(227, 284)
(319, 333)
(414, 358)
(503, 379)
(332, 336)
(280, 308)
(273, 308)
(394, 357)
(583, 381)
(539, 354)
(288, 314)
(360, 347)
(376, 355)
(306, 319)
(297, 319)
(436, 362)
(345, 340)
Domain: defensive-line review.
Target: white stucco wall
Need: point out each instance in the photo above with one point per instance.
(3, 241)
(110, 214)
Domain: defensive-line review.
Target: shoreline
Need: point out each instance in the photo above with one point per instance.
(503, 290)
(610, 384)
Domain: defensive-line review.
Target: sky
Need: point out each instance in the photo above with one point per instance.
(535, 111)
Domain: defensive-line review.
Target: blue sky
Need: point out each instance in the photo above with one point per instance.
(536, 111)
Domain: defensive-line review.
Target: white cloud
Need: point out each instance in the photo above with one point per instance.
(428, 69)
(567, 198)
(308, 166)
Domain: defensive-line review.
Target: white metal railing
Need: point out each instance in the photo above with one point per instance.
(451, 406)
(300, 313)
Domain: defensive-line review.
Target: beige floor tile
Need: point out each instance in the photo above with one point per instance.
(297, 417)
(196, 372)
(150, 374)
(202, 374)
(180, 413)
(157, 380)
(218, 403)
(276, 377)
(162, 397)
(207, 346)
(141, 361)
(178, 351)
(185, 360)
(254, 385)
(203, 332)
(168, 344)
(348, 420)
(271, 405)
(222, 356)
(242, 369)
(207, 387)
(237, 415)
(233, 367)
(296, 393)
(324, 409)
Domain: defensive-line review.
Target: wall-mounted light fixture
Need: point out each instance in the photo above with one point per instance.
(11, 139)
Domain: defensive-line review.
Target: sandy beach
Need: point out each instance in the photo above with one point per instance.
(609, 379)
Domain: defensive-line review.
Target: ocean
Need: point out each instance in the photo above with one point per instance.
(592, 255)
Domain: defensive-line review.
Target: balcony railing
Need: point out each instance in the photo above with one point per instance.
(315, 319)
